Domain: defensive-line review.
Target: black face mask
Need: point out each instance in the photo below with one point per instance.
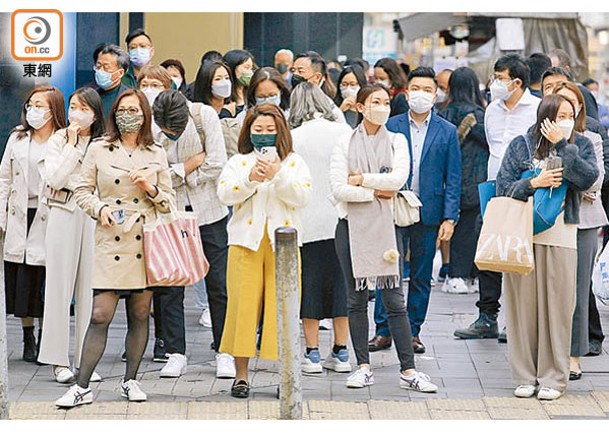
(296, 80)
(282, 68)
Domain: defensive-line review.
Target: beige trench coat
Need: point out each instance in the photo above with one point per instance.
(119, 249)
(19, 245)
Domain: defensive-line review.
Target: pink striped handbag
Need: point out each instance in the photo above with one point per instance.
(173, 250)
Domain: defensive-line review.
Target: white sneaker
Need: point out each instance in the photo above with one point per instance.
(205, 319)
(418, 381)
(225, 366)
(311, 362)
(326, 324)
(525, 391)
(473, 285)
(361, 378)
(546, 393)
(63, 375)
(75, 396)
(338, 362)
(455, 286)
(95, 377)
(175, 367)
(132, 390)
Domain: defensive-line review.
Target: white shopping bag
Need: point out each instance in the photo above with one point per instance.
(600, 277)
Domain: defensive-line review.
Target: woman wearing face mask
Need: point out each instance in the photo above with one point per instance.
(266, 86)
(591, 217)
(466, 111)
(539, 306)
(315, 133)
(69, 238)
(23, 210)
(176, 70)
(213, 86)
(350, 81)
(124, 183)
(267, 184)
(368, 166)
(153, 80)
(389, 74)
(242, 65)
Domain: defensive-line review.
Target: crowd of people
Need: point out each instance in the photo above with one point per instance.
(326, 148)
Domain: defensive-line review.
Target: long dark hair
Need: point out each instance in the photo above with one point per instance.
(233, 59)
(202, 92)
(393, 70)
(144, 136)
(284, 138)
(548, 109)
(57, 107)
(264, 74)
(365, 92)
(89, 97)
(358, 72)
(464, 87)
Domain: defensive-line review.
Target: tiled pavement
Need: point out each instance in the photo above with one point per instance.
(473, 376)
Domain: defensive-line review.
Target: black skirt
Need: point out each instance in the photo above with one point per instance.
(24, 284)
(324, 295)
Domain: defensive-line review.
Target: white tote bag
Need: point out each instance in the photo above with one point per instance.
(600, 277)
(406, 205)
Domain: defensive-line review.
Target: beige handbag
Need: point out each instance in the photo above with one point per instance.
(406, 205)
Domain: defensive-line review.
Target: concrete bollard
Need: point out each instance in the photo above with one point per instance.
(288, 327)
(4, 409)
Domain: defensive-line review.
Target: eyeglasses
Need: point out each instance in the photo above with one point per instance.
(104, 68)
(29, 106)
(492, 78)
(129, 110)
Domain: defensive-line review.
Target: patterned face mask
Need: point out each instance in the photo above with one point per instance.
(128, 123)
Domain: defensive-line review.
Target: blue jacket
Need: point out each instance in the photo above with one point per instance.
(440, 170)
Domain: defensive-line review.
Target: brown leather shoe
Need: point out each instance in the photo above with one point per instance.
(417, 345)
(378, 342)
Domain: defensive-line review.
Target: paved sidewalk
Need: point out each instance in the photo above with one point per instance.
(473, 376)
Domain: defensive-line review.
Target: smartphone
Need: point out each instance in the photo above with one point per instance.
(267, 153)
(119, 216)
(554, 162)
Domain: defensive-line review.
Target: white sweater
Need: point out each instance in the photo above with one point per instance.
(272, 204)
(342, 192)
(314, 140)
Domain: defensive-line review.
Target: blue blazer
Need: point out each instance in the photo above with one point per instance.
(440, 170)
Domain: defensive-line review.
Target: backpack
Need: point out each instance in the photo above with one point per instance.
(230, 130)
(195, 112)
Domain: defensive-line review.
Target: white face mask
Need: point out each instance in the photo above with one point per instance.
(151, 94)
(35, 117)
(177, 81)
(221, 89)
(377, 115)
(566, 126)
(83, 119)
(420, 101)
(349, 91)
(384, 83)
(441, 96)
(499, 90)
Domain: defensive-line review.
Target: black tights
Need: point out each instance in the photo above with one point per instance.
(104, 307)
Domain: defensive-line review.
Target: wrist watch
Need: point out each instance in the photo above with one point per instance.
(450, 221)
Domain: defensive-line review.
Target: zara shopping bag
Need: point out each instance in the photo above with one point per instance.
(506, 238)
(173, 250)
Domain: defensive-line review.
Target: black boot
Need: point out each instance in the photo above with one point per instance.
(485, 326)
(29, 344)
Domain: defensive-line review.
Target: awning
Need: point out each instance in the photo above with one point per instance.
(426, 23)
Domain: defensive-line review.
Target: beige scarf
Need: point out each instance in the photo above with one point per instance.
(371, 229)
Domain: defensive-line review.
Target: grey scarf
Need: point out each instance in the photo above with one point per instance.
(371, 228)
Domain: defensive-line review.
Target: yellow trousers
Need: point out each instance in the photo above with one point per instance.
(250, 286)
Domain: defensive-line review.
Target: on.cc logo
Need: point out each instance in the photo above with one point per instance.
(36, 30)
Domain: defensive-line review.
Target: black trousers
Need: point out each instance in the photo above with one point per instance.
(169, 318)
(463, 245)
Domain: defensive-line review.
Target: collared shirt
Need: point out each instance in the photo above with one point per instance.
(502, 125)
(417, 137)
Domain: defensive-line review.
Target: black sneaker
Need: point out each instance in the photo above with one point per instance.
(502, 337)
(159, 354)
(485, 326)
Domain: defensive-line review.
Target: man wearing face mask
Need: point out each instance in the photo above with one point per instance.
(284, 59)
(442, 96)
(435, 177)
(111, 63)
(512, 111)
(311, 67)
(141, 51)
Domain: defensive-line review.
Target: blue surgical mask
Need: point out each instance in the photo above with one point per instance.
(103, 78)
(173, 137)
(263, 140)
(275, 99)
(139, 56)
